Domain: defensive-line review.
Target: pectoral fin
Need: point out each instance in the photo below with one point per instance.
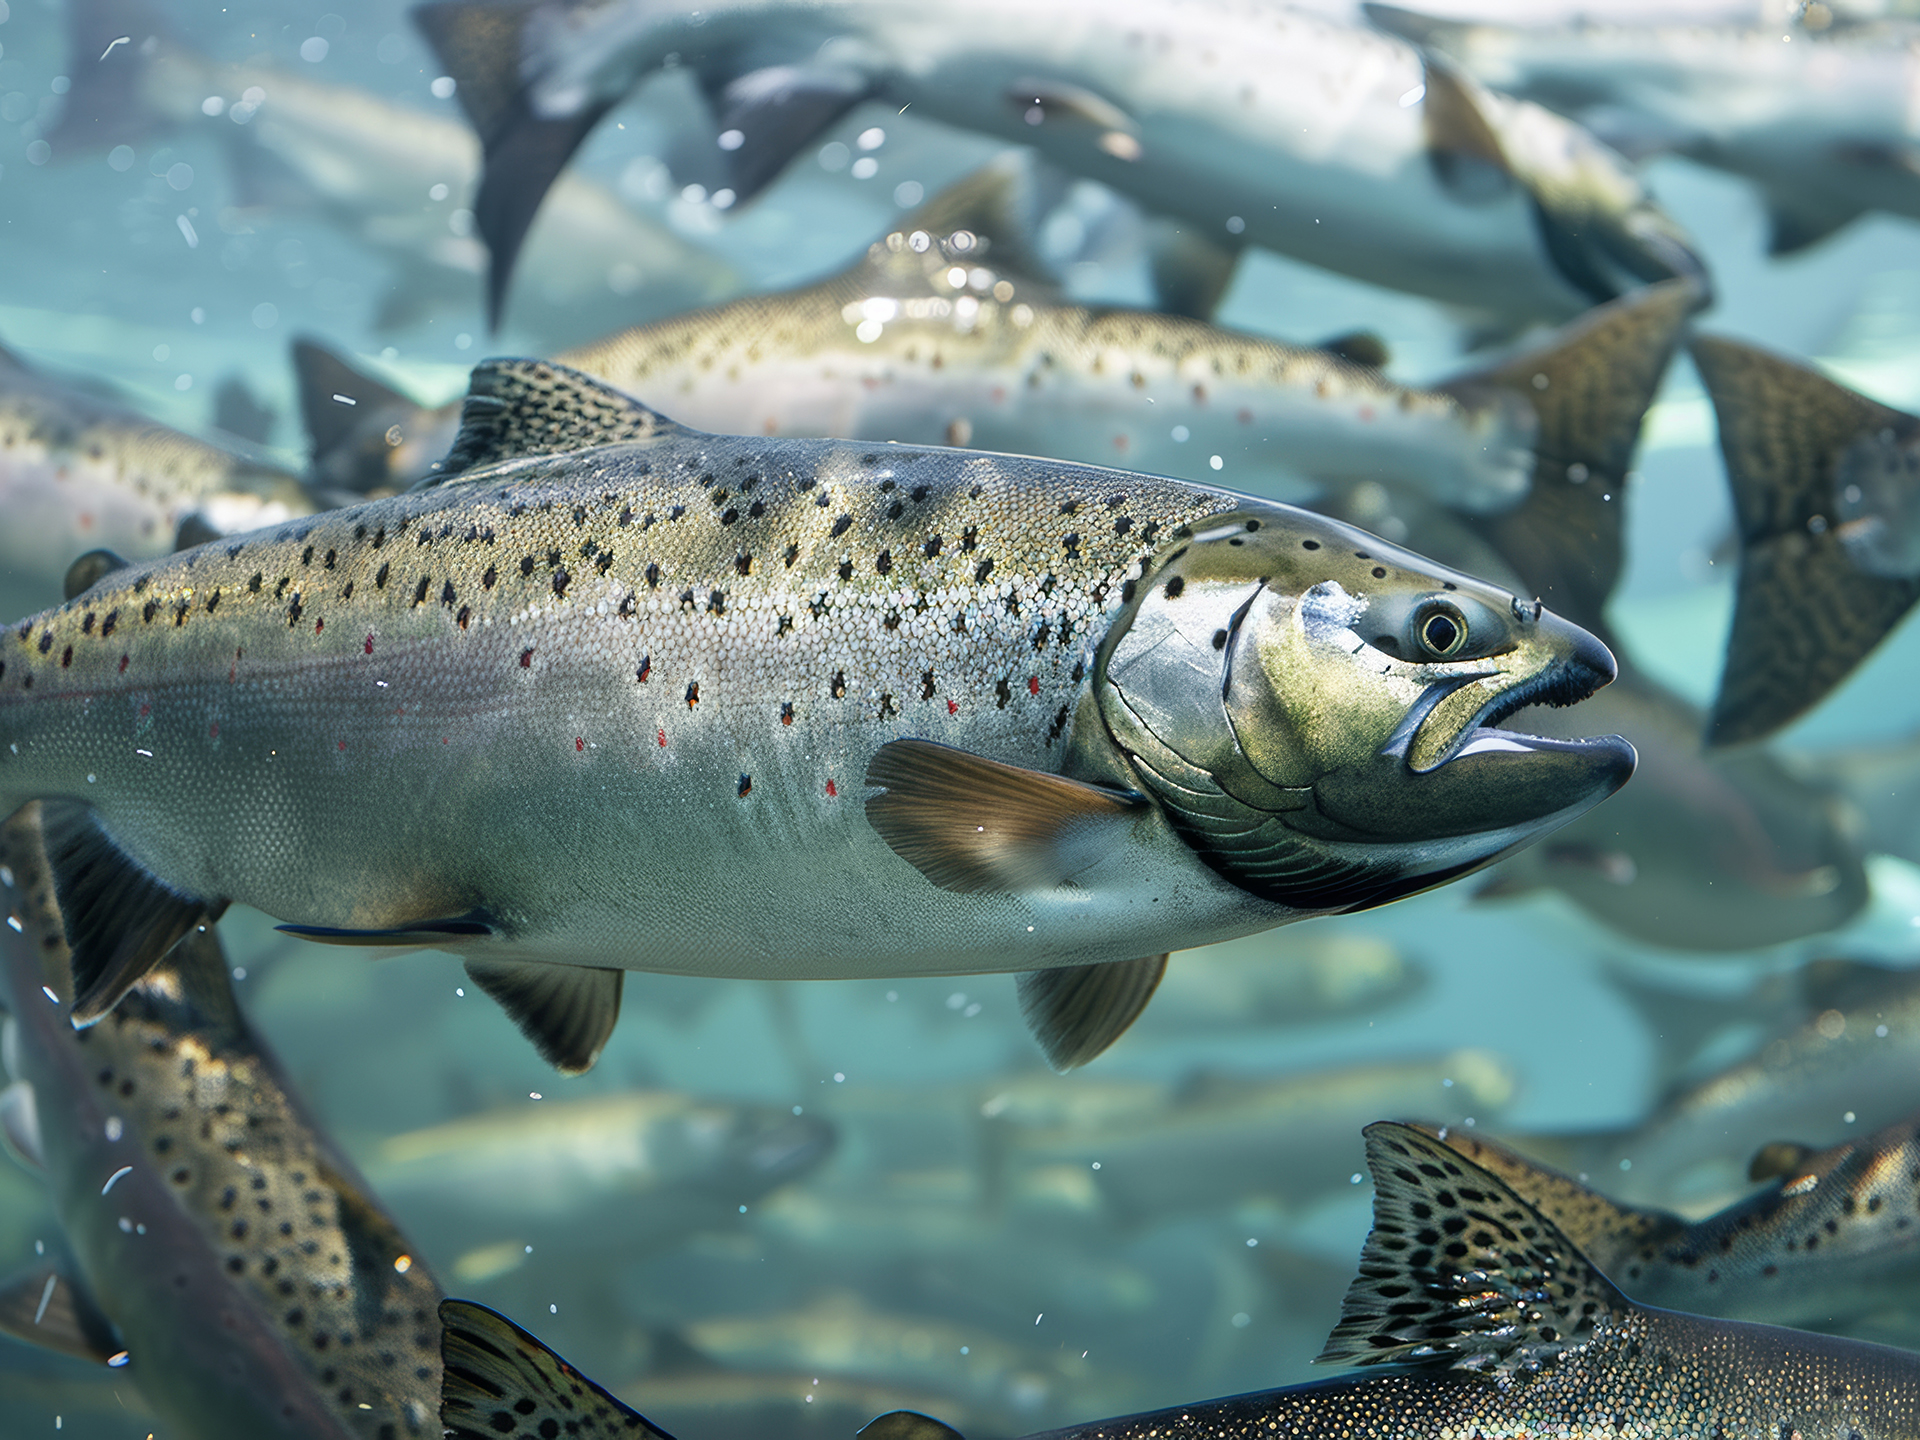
(567, 1011)
(499, 1380)
(1465, 154)
(121, 919)
(46, 1307)
(1076, 1011)
(971, 824)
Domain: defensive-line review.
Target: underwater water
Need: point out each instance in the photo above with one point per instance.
(981, 1238)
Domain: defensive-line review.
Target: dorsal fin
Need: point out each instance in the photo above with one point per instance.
(1466, 155)
(520, 408)
(988, 217)
(501, 1381)
(1460, 1271)
(337, 404)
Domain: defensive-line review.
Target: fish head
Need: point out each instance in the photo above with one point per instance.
(1314, 709)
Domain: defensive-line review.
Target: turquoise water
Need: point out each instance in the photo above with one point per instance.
(1014, 1303)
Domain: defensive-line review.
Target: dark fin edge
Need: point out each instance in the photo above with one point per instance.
(567, 1011)
(520, 408)
(1076, 1011)
(1519, 1296)
(1804, 614)
(121, 920)
(498, 1380)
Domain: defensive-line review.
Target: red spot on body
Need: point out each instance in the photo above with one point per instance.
(318, 626)
(369, 644)
(578, 744)
(213, 730)
(1120, 443)
(832, 790)
(123, 664)
(998, 394)
(953, 707)
(343, 745)
(145, 710)
(1033, 684)
(86, 520)
(663, 739)
(526, 659)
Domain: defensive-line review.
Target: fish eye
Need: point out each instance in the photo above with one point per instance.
(1442, 630)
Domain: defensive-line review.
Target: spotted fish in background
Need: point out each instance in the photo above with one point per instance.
(1826, 498)
(615, 694)
(1832, 1240)
(941, 334)
(227, 1253)
(1491, 1320)
(1323, 141)
(78, 473)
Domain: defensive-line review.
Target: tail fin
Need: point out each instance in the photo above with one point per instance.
(500, 1381)
(1806, 611)
(1589, 387)
(357, 426)
(481, 45)
(109, 43)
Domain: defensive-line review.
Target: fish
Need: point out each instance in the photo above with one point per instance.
(650, 1164)
(225, 1251)
(945, 332)
(1252, 126)
(1833, 1237)
(1827, 509)
(396, 178)
(79, 472)
(1507, 1329)
(1842, 1067)
(1820, 124)
(1106, 714)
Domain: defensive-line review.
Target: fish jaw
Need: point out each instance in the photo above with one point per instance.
(1340, 766)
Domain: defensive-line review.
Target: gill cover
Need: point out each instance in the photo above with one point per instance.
(1309, 705)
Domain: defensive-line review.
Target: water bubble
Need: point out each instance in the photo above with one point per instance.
(463, 341)
(39, 152)
(443, 88)
(834, 156)
(197, 315)
(213, 105)
(121, 158)
(723, 199)
(1216, 462)
(1235, 225)
(61, 84)
(183, 382)
(331, 26)
(313, 49)
(438, 192)
(180, 176)
(865, 168)
(460, 222)
(871, 139)
(732, 139)
(1242, 1320)
(909, 193)
(266, 315)
(1180, 434)
(161, 352)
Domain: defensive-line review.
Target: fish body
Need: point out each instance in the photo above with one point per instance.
(1506, 1330)
(1832, 1238)
(1255, 124)
(78, 473)
(1825, 123)
(616, 708)
(397, 178)
(254, 1285)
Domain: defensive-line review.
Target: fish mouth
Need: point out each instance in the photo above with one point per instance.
(1444, 722)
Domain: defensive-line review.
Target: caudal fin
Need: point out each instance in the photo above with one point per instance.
(500, 1383)
(482, 47)
(1589, 386)
(1806, 612)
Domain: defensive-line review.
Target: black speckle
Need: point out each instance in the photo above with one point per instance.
(746, 787)
(379, 579)
(970, 537)
(728, 516)
(486, 580)
(1002, 692)
(896, 510)
(743, 564)
(693, 693)
(420, 590)
(717, 602)
(652, 574)
(839, 685)
(447, 597)
(932, 547)
(982, 571)
(1175, 586)
(846, 570)
(793, 554)
(884, 562)
(644, 669)
(560, 582)
(841, 526)
(1219, 639)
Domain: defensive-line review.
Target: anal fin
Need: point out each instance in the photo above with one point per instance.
(46, 1307)
(567, 1011)
(121, 920)
(495, 1371)
(1077, 1011)
(970, 824)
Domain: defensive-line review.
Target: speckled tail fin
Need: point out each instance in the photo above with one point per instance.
(502, 1384)
(1077, 1011)
(970, 824)
(520, 408)
(121, 920)
(47, 1307)
(1460, 1271)
(567, 1011)
(1588, 386)
(908, 1425)
(1805, 614)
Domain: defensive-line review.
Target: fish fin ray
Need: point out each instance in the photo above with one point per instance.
(779, 110)
(1076, 1011)
(908, 1425)
(493, 1368)
(1602, 371)
(20, 1126)
(518, 408)
(567, 1011)
(1520, 1295)
(90, 569)
(1805, 613)
(47, 1307)
(121, 919)
(969, 824)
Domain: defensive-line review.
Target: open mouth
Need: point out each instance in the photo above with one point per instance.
(1446, 723)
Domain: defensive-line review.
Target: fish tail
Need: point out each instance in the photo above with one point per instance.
(111, 45)
(1805, 611)
(1588, 388)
